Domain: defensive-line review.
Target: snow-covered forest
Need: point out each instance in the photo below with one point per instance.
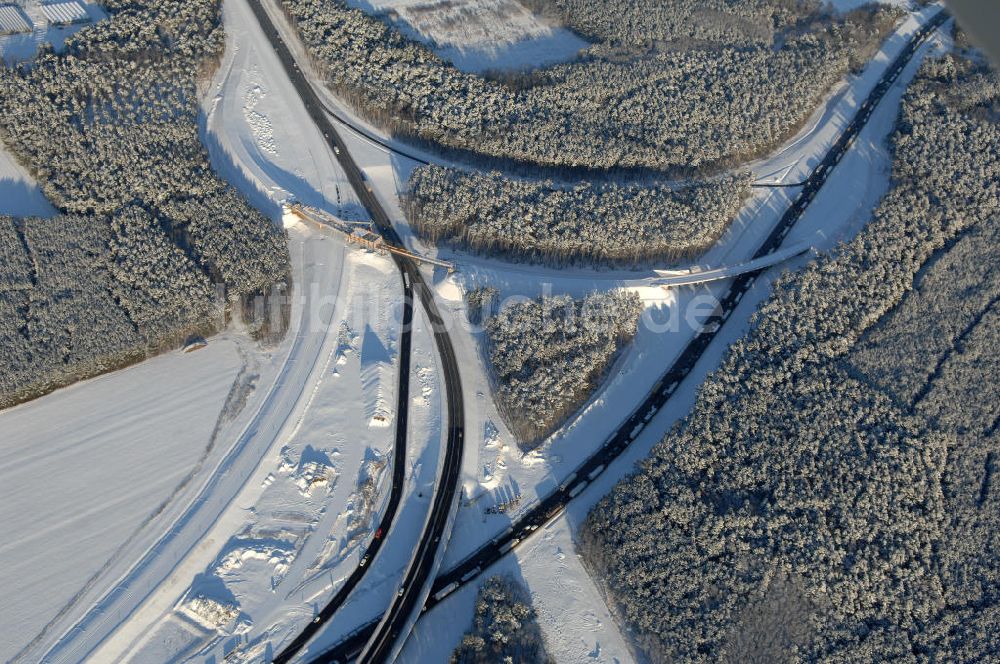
(548, 355)
(707, 105)
(641, 25)
(148, 232)
(963, 283)
(819, 499)
(505, 628)
(598, 223)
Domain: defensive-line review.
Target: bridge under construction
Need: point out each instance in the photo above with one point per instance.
(361, 233)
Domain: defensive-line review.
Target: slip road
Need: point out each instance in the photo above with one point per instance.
(555, 503)
(385, 634)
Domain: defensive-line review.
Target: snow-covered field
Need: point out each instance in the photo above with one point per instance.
(51, 23)
(88, 467)
(425, 445)
(302, 523)
(480, 35)
(20, 195)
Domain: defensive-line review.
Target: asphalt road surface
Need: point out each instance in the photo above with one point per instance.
(572, 486)
(417, 576)
(395, 495)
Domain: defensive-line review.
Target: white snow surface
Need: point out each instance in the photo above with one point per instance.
(87, 467)
(425, 446)
(20, 195)
(299, 528)
(277, 391)
(480, 35)
(258, 133)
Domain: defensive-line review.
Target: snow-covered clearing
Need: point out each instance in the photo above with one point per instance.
(571, 610)
(263, 401)
(86, 468)
(259, 134)
(301, 524)
(20, 195)
(50, 23)
(425, 446)
(480, 35)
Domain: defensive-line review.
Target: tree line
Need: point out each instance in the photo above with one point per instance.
(548, 355)
(803, 510)
(148, 233)
(541, 221)
(682, 110)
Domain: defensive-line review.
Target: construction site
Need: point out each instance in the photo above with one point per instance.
(360, 233)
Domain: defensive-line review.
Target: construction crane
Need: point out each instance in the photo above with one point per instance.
(361, 233)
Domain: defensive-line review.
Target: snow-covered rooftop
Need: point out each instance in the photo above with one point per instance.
(13, 20)
(64, 12)
(47, 22)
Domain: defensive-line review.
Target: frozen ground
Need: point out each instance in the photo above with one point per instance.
(23, 46)
(480, 35)
(425, 444)
(258, 133)
(263, 401)
(86, 468)
(20, 195)
(302, 523)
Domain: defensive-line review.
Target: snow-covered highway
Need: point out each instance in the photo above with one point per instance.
(132, 601)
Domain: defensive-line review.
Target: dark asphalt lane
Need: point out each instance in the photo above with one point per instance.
(555, 503)
(418, 574)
